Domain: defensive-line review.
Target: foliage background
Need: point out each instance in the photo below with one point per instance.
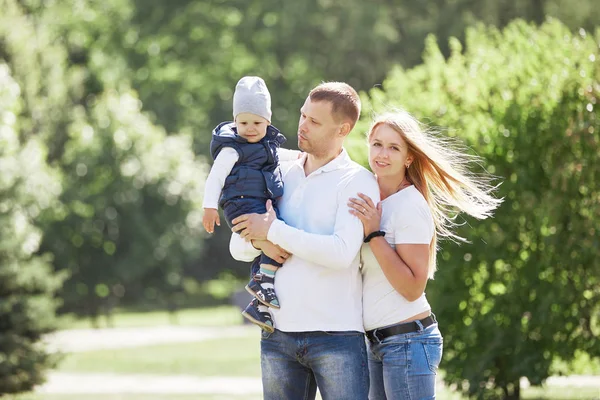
(106, 110)
(524, 291)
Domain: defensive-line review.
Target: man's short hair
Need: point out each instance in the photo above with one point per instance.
(345, 103)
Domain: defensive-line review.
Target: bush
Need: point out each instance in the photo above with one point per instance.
(527, 287)
(27, 284)
(128, 219)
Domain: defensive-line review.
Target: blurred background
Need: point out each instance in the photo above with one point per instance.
(106, 111)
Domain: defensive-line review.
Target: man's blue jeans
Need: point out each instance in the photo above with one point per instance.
(295, 363)
(404, 367)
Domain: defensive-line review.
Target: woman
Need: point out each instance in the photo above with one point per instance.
(420, 179)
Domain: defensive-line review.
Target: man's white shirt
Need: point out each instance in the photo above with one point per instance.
(319, 286)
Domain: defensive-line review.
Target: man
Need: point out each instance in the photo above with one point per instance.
(318, 341)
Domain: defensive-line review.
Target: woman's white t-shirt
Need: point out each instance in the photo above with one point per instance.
(406, 219)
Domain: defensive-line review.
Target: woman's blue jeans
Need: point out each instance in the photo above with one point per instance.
(405, 366)
(295, 363)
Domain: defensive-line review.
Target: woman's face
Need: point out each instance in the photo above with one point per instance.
(388, 152)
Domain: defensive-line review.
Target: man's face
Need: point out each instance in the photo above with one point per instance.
(251, 127)
(317, 128)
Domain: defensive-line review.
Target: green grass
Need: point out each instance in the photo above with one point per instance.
(221, 357)
(443, 394)
(132, 397)
(214, 316)
(229, 357)
(561, 393)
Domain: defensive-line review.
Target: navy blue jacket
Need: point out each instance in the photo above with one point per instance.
(256, 173)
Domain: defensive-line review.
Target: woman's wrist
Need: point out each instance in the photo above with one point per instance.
(372, 235)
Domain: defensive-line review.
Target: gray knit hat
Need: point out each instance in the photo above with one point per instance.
(252, 96)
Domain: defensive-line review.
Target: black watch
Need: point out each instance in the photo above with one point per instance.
(372, 235)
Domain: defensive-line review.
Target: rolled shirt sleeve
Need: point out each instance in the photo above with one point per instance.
(242, 250)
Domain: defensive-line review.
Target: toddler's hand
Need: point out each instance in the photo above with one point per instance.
(211, 216)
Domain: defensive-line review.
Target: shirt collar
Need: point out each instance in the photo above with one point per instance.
(342, 160)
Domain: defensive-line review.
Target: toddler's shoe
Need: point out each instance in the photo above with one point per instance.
(258, 314)
(262, 287)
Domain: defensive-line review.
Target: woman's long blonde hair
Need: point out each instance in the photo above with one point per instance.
(440, 171)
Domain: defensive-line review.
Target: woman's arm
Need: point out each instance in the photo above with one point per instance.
(405, 267)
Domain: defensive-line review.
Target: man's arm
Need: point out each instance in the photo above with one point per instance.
(338, 249)
(242, 250)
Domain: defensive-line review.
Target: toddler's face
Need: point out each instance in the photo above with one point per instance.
(251, 127)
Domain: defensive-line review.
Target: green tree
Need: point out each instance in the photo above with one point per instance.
(130, 208)
(185, 56)
(127, 223)
(526, 290)
(27, 283)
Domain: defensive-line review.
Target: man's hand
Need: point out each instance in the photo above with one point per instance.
(272, 250)
(254, 226)
(211, 216)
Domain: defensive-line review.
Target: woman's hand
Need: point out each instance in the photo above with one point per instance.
(272, 250)
(368, 213)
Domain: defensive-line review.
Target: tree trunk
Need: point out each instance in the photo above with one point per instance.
(512, 391)
(537, 11)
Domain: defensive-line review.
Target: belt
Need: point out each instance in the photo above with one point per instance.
(405, 327)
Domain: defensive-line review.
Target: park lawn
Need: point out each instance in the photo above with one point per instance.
(225, 357)
(561, 393)
(238, 356)
(128, 396)
(564, 393)
(228, 315)
(213, 316)
(231, 357)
